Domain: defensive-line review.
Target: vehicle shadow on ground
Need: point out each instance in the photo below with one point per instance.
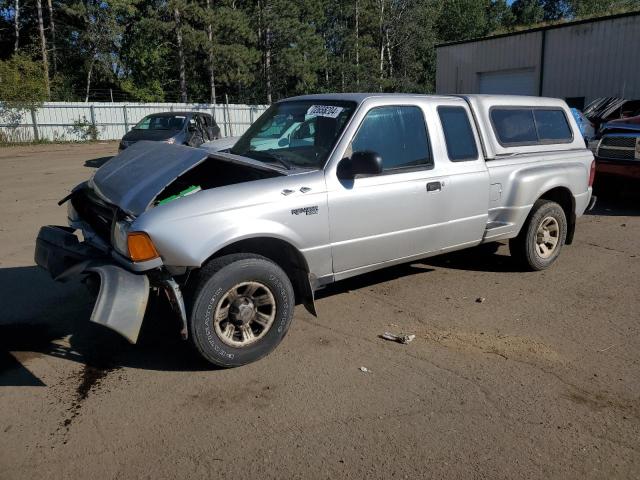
(483, 258)
(41, 317)
(97, 162)
(373, 278)
(617, 207)
(616, 198)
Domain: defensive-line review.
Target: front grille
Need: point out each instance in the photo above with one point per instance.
(609, 153)
(91, 209)
(617, 148)
(625, 142)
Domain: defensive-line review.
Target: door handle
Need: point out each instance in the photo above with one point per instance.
(434, 186)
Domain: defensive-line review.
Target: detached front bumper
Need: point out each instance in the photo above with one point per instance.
(123, 295)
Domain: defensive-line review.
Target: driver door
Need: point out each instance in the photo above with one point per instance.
(393, 215)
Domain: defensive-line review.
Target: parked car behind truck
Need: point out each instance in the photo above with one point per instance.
(237, 239)
(617, 149)
(181, 128)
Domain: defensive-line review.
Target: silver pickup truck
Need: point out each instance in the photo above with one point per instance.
(319, 189)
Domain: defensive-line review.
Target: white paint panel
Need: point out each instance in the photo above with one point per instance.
(508, 82)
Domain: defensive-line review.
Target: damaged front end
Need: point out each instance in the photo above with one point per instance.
(102, 240)
(96, 244)
(122, 296)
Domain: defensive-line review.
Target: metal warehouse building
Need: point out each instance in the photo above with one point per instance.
(578, 61)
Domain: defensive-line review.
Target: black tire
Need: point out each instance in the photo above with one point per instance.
(211, 287)
(524, 248)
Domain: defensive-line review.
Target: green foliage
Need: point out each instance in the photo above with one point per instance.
(462, 19)
(21, 82)
(21, 87)
(84, 129)
(528, 12)
(258, 48)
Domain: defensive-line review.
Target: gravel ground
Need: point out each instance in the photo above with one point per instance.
(539, 380)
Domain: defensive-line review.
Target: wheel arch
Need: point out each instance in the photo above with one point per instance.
(563, 197)
(283, 254)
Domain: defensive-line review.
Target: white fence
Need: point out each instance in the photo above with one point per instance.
(56, 120)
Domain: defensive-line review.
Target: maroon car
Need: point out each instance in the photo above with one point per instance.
(618, 150)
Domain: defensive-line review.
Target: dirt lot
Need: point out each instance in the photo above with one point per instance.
(540, 380)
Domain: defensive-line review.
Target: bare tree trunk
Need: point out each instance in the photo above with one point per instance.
(342, 73)
(326, 60)
(43, 46)
(267, 64)
(389, 54)
(181, 67)
(357, 46)
(89, 73)
(212, 78)
(381, 44)
(52, 26)
(16, 25)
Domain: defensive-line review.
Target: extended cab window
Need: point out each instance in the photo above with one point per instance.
(458, 135)
(398, 134)
(552, 125)
(530, 126)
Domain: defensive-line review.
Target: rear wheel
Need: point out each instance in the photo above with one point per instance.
(241, 309)
(542, 237)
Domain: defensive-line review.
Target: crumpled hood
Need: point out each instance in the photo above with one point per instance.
(132, 179)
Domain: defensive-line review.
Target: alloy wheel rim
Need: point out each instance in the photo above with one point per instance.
(547, 237)
(244, 314)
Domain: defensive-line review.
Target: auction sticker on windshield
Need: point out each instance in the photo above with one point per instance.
(330, 111)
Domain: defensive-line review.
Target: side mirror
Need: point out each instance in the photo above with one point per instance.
(283, 142)
(366, 163)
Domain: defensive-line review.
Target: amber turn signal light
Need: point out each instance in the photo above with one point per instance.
(141, 247)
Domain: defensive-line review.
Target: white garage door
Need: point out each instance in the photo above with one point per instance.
(509, 82)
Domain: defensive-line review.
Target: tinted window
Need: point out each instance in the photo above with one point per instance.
(552, 125)
(461, 144)
(530, 125)
(161, 122)
(514, 125)
(398, 134)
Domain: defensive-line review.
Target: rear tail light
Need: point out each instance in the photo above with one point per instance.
(592, 173)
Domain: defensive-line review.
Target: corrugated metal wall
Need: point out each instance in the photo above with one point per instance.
(459, 65)
(55, 120)
(591, 60)
(594, 59)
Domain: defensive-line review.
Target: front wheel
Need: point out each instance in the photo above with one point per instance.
(241, 309)
(542, 236)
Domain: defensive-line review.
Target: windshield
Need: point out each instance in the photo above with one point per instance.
(296, 134)
(161, 122)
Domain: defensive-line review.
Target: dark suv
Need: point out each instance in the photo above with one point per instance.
(182, 128)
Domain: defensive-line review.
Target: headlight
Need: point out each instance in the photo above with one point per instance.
(119, 236)
(170, 140)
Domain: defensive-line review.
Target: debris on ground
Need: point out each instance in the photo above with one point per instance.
(480, 300)
(403, 338)
(365, 370)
